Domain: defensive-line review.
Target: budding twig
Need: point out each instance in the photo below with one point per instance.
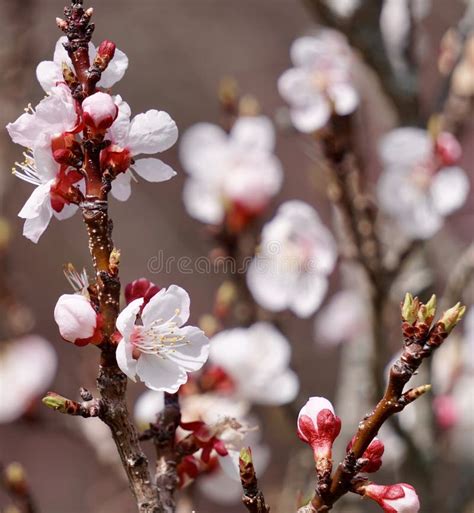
(417, 347)
(89, 408)
(252, 498)
(111, 382)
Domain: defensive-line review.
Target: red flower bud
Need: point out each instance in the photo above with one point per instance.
(318, 426)
(398, 498)
(141, 288)
(373, 454)
(99, 111)
(106, 50)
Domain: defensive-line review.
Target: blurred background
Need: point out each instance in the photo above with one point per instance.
(179, 51)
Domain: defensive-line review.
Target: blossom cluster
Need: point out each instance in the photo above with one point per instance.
(54, 132)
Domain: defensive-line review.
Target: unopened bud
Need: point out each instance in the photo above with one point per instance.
(106, 50)
(141, 288)
(410, 308)
(398, 498)
(99, 111)
(451, 317)
(61, 24)
(56, 402)
(318, 426)
(427, 311)
(373, 454)
(77, 320)
(89, 12)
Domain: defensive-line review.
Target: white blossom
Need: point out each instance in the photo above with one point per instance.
(228, 170)
(416, 187)
(296, 255)
(36, 129)
(320, 82)
(161, 351)
(257, 360)
(147, 133)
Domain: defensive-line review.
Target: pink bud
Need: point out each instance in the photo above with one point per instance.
(447, 148)
(76, 319)
(373, 454)
(398, 498)
(141, 288)
(318, 426)
(99, 111)
(106, 50)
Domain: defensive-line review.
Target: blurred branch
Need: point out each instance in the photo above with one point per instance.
(364, 33)
(13, 479)
(460, 277)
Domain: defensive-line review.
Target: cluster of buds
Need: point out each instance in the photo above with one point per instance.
(417, 318)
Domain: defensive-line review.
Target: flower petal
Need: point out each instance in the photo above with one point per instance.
(147, 407)
(345, 98)
(169, 305)
(270, 287)
(35, 227)
(253, 132)
(67, 212)
(153, 170)
(60, 54)
(203, 201)
(49, 75)
(282, 389)
(194, 354)
(118, 132)
(121, 188)
(296, 87)
(37, 202)
(449, 189)
(125, 360)
(152, 132)
(311, 117)
(160, 374)
(308, 295)
(405, 146)
(115, 70)
(128, 316)
(198, 147)
(24, 130)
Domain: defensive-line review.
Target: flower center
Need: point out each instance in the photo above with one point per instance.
(159, 338)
